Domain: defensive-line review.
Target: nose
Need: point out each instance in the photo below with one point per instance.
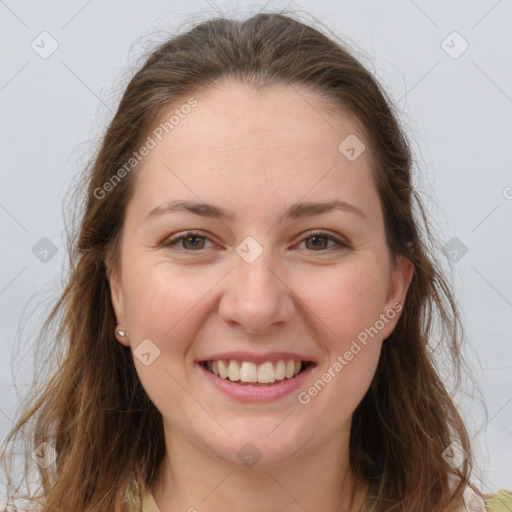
(256, 297)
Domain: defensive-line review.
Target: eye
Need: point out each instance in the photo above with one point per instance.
(190, 241)
(320, 239)
(193, 241)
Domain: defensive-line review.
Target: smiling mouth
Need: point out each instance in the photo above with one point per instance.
(249, 373)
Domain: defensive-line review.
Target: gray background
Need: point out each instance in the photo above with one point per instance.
(456, 106)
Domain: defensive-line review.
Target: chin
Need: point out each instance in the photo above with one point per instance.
(258, 446)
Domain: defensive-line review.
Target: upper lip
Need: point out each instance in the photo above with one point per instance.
(256, 358)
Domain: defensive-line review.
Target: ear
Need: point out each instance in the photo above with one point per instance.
(399, 282)
(116, 294)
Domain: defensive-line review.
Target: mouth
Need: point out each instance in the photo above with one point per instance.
(248, 373)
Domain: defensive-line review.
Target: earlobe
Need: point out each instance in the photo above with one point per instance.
(400, 281)
(116, 296)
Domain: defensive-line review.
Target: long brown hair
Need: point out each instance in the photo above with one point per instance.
(94, 412)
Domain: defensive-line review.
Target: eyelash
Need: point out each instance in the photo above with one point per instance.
(172, 241)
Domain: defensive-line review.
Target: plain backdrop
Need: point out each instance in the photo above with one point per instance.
(445, 64)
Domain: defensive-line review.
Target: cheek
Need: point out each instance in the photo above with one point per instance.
(347, 304)
(345, 300)
(160, 308)
(158, 299)
(169, 306)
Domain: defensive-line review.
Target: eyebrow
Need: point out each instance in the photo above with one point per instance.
(295, 211)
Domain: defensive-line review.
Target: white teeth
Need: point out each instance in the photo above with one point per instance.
(247, 371)
(280, 370)
(290, 367)
(233, 371)
(223, 370)
(266, 372)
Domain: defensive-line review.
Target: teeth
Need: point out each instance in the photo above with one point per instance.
(223, 370)
(266, 373)
(290, 367)
(233, 371)
(280, 370)
(248, 372)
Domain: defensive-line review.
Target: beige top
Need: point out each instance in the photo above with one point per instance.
(148, 504)
(499, 502)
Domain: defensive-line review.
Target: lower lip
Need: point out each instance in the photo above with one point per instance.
(257, 393)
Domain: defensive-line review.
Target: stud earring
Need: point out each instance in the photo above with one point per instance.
(120, 332)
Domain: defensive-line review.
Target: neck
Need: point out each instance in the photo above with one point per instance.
(191, 479)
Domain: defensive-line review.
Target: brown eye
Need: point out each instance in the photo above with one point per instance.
(193, 242)
(319, 242)
(187, 242)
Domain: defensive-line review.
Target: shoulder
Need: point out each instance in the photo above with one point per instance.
(499, 502)
(475, 501)
(148, 503)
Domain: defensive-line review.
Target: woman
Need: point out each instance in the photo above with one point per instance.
(251, 296)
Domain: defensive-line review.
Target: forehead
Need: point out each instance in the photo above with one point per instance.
(281, 142)
(230, 113)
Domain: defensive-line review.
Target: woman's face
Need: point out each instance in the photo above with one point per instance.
(267, 276)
